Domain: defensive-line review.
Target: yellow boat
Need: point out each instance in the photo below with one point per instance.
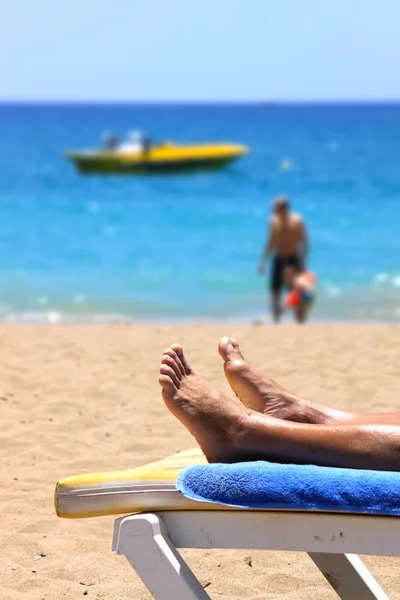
(165, 157)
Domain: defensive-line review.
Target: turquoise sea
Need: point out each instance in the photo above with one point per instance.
(185, 247)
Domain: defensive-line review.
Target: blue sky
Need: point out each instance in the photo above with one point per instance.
(131, 50)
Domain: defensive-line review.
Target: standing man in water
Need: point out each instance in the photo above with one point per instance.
(287, 242)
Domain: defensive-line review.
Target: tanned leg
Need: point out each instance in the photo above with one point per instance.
(229, 432)
(262, 394)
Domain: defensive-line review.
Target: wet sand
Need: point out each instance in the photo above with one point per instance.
(76, 399)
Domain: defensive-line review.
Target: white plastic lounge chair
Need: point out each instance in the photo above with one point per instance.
(150, 540)
(169, 520)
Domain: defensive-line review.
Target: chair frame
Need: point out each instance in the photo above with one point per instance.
(149, 541)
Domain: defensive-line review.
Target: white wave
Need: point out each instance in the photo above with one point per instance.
(396, 281)
(78, 298)
(332, 291)
(381, 277)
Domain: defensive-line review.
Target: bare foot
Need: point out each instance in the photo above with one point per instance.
(212, 418)
(264, 395)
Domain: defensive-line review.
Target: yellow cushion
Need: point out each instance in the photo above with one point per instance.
(144, 489)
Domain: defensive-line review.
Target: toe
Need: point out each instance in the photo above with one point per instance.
(235, 366)
(229, 349)
(167, 384)
(166, 359)
(187, 368)
(169, 371)
(175, 357)
(178, 349)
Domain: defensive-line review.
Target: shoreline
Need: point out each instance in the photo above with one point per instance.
(103, 320)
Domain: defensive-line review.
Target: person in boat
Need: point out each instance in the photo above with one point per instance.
(111, 141)
(301, 292)
(270, 422)
(137, 142)
(146, 143)
(287, 242)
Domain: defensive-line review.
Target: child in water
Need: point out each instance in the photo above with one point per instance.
(301, 291)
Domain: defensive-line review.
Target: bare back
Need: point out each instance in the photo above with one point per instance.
(287, 234)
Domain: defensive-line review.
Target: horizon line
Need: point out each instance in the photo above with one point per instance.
(178, 102)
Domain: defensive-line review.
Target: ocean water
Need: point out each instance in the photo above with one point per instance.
(186, 247)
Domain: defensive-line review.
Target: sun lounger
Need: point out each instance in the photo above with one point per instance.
(332, 514)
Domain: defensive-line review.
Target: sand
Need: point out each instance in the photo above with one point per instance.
(77, 399)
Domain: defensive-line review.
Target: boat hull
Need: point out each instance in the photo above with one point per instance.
(158, 160)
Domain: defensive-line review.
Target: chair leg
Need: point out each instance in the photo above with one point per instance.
(348, 576)
(143, 540)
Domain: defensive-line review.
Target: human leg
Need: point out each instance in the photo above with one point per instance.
(275, 288)
(229, 432)
(262, 394)
(276, 307)
(300, 313)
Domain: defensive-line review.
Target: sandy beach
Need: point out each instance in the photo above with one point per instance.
(76, 399)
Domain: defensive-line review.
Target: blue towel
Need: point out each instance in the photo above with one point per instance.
(262, 484)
